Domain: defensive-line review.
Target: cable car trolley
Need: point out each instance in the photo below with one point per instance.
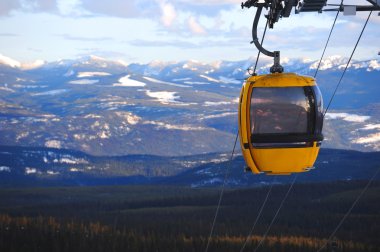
(280, 114)
(280, 123)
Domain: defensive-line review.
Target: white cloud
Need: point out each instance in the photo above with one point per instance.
(8, 5)
(195, 27)
(169, 13)
(39, 5)
(70, 7)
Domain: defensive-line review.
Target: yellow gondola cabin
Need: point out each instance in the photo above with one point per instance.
(280, 123)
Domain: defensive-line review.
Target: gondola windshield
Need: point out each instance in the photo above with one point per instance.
(285, 115)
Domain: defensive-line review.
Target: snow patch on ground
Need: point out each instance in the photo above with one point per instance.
(129, 117)
(207, 182)
(92, 116)
(162, 125)
(83, 82)
(373, 65)
(70, 160)
(372, 138)
(7, 89)
(182, 79)
(209, 103)
(219, 115)
(209, 78)
(371, 141)
(50, 172)
(371, 126)
(5, 169)
(104, 134)
(30, 170)
(196, 82)
(22, 135)
(91, 74)
(127, 82)
(228, 80)
(347, 117)
(164, 97)
(51, 92)
(163, 82)
(53, 144)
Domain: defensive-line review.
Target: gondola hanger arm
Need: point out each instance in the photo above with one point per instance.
(276, 68)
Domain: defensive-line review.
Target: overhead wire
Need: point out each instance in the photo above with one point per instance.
(258, 215)
(349, 210)
(276, 214)
(327, 108)
(348, 63)
(226, 174)
(230, 164)
(327, 42)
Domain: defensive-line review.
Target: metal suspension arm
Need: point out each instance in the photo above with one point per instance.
(255, 39)
(276, 68)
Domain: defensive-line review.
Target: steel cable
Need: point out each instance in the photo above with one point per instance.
(226, 174)
(276, 214)
(327, 42)
(348, 63)
(258, 215)
(349, 210)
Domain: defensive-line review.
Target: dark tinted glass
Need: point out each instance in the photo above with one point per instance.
(280, 111)
(319, 105)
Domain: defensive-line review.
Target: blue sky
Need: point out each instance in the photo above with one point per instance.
(168, 30)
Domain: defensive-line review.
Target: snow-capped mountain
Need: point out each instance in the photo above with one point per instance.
(106, 107)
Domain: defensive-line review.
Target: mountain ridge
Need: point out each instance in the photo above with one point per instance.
(100, 106)
(28, 166)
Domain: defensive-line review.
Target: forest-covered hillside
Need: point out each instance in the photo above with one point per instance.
(157, 218)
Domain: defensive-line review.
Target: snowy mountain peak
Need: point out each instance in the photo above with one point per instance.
(33, 65)
(8, 61)
(16, 64)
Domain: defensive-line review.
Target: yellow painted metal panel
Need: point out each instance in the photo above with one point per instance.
(244, 134)
(285, 160)
(282, 80)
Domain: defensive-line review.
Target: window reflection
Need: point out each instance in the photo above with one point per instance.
(279, 110)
